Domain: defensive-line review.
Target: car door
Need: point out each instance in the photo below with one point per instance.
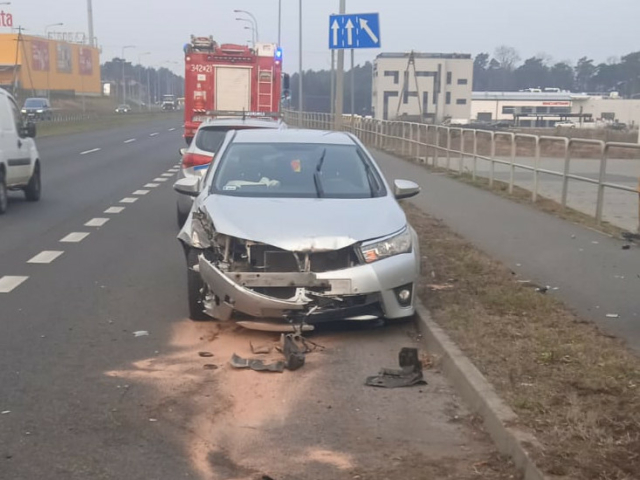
(16, 150)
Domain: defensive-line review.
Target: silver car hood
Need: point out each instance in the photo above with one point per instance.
(305, 224)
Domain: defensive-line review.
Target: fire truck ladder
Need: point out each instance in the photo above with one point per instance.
(265, 95)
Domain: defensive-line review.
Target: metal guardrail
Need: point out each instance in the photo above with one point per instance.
(429, 144)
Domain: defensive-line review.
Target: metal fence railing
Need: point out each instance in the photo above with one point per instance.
(599, 178)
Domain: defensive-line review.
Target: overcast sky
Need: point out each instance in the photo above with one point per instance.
(564, 29)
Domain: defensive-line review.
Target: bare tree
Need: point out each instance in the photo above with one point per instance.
(507, 57)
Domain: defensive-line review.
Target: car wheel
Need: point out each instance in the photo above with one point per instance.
(182, 217)
(33, 190)
(4, 196)
(195, 286)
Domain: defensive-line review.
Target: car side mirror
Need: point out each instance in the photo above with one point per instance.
(188, 186)
(182, 151)
(405, 189)
(28, 130)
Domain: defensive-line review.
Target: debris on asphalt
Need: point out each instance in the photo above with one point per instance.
(630, 237)
(153, 419)
(445, 286)
(626, 247)
(409, 374)
(261, 349)
(141, 333)
(613, 315)
(256, 364)
(210, 366)
(5, 412)
(293, 349)
(205, 354)
(595, 242)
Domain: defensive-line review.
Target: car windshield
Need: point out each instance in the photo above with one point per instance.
(34, 103)
(210, 139)
(295, 170)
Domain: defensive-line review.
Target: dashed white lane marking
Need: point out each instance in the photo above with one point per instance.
(152, 185)
(131, 140)
(173, 170)
(167, 175)
(129, 200)
(160, 179)
(87, 152)
(114, 210)
(8, 283)
(153, 134)
(140, 192)
(47, 256)
(75, 237)
(96, 222)
(171, 129)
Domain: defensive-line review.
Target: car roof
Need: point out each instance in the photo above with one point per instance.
(239, 122)
(293, 136)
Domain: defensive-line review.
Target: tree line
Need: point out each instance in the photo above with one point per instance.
(161, 81)
(504, 72)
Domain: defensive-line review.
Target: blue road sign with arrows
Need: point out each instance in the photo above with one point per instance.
(361, 30)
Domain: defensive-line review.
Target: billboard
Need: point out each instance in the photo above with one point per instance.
(40, 55)
(63, 58)
(85, 61)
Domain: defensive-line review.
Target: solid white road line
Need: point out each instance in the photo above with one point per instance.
(151, 185)
(131, 140)
(140, 192)
(75, 237)
(129, 200)
(96, 222)
(8, 283)
(153, 134)
(47, 256)
(114, 210)
(86, 152)
(160, 179)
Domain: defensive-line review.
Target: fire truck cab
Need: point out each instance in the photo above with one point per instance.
(231, 78)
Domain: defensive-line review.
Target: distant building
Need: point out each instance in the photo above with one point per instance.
(544, 109)
(443, 92)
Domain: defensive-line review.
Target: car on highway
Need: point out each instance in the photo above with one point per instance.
(207, 140)
(565, 124)
(298, 227)
(124, 108)
(19, 157)
(37, 108)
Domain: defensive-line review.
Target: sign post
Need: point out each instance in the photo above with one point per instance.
(353, 31)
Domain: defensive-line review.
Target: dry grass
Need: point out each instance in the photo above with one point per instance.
(576, 388)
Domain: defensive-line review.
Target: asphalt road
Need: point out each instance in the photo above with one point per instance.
(82, 397)
(593, 275)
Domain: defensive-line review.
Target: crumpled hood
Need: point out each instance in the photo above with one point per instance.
(305, 224)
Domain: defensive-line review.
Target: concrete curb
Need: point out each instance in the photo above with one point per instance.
(480, 397)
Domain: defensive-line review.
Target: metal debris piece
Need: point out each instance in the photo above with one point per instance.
(630, 237)
(261, 349)
(205, 354)
(626, 247)
(446, 286)
(410, 372)
(210, 366)
(141, 333)
(613, 315)
(293, 349)
(256, 364)
(5, 412)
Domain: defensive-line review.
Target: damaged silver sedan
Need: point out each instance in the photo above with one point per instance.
(298, 227)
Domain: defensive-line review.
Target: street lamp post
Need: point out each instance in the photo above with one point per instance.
(140, 78)
(253, 34)
(250, 27)
(124, 81)
(255, 22)
(279, 21)
(300, 65)
(46, 34)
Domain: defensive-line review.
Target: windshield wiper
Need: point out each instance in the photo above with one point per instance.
(317, 180)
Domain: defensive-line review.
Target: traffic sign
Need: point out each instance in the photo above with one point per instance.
(360, 30)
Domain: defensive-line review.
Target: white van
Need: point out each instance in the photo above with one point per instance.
(19, 159)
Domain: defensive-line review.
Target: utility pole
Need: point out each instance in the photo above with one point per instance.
(279, 22)
(353, 85)
(333, 82)
(90, 17)
(339, 108)
(300, 65)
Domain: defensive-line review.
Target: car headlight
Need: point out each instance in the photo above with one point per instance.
(24, 110)
(387, 247)
(40, 111)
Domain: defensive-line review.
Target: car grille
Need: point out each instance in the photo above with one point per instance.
(270, 259)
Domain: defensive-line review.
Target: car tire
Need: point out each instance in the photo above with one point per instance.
(4, 195)
(195, 285)
(33, 190)
(181, 216)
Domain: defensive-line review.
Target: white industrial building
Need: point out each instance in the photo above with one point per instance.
(430, 87)
(545, 109)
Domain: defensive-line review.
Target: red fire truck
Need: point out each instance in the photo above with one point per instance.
(230, 78)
